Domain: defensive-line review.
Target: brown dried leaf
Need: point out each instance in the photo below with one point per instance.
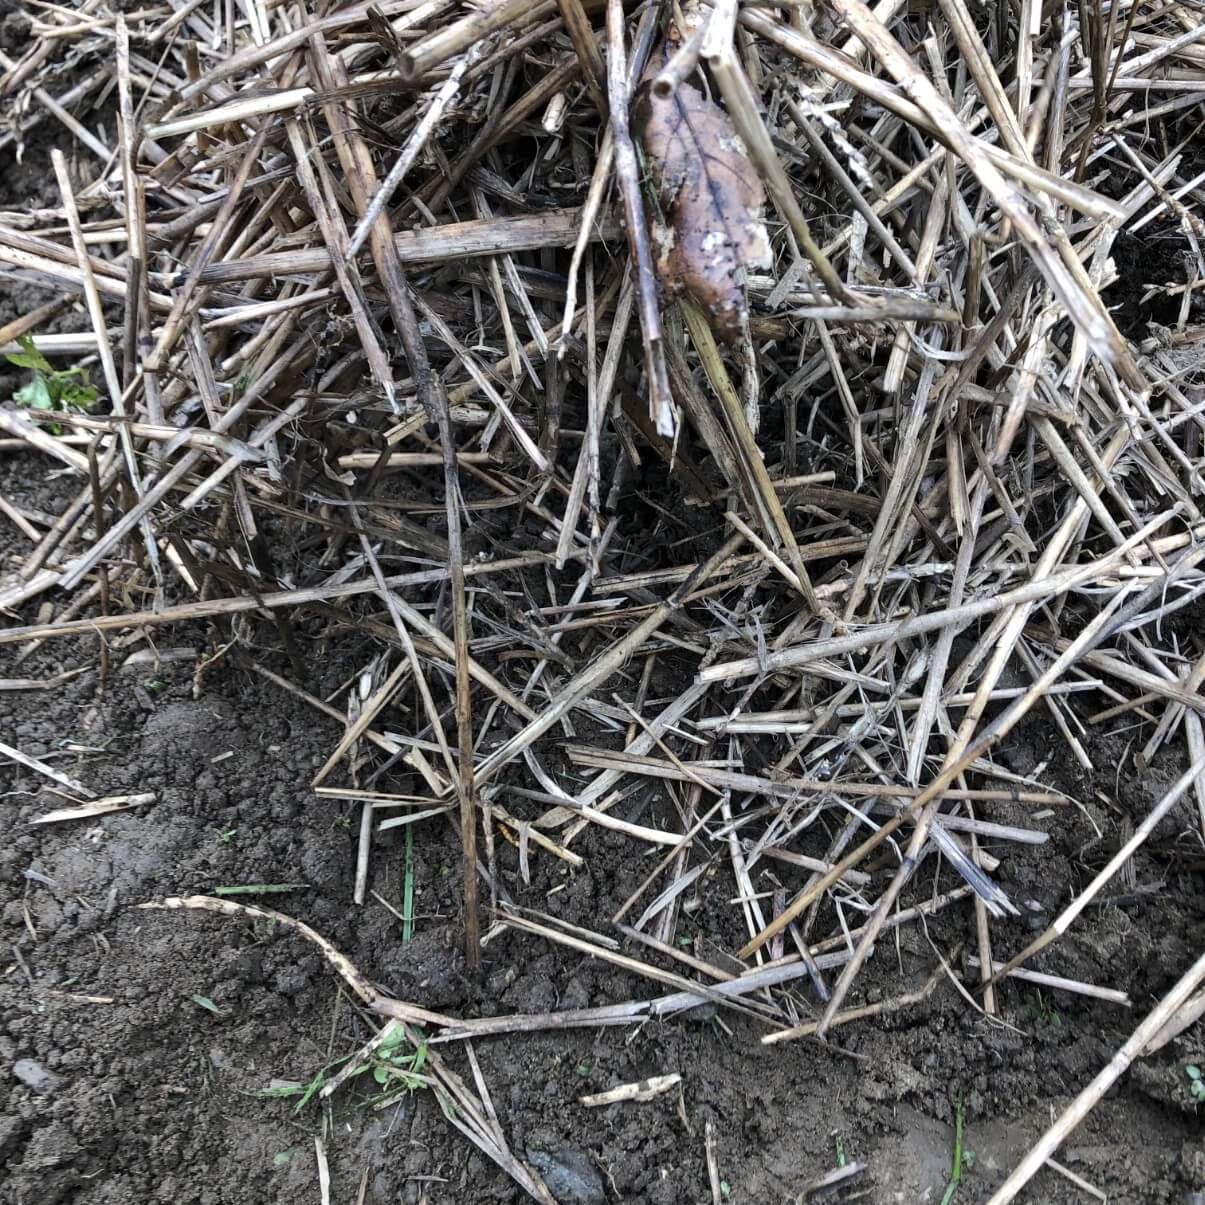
(711, 201)
(383, 33)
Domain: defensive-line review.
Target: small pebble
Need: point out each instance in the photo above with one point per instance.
(1034, 915)
(35, 1076)
(569, 1174)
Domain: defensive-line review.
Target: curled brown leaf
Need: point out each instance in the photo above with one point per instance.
(711, 230)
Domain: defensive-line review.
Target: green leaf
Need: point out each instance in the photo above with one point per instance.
(1192, 1071)
(80, 397)
(28, 356)
(391, 1041)
(380, 1073)
(258, 888)
(206, 1003)
(281, 1158)
(408, 888)
(35, 395)
(310, 1089)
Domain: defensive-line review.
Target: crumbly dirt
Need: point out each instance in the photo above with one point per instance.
(119, 1087)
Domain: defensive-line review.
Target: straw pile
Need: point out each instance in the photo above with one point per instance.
(467, 327)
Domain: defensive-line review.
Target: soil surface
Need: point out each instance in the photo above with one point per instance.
(137, 1044)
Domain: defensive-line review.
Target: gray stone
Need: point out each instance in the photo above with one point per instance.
(35, 1076)
(570, 1175)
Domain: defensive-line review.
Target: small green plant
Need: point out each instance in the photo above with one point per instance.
(282, 1090)
(393, 1066)
(208, 1005)
(839, 1145)
(50, 388)
(1038, 1010)
(1196, 1084)
(408, 888)
(281, 1158)
(956, 1160)
(309, 1090)
(259, 888)
(226, 835)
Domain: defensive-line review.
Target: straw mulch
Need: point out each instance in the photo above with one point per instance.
(727, 398)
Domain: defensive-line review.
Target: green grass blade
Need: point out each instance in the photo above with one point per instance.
(408, 888)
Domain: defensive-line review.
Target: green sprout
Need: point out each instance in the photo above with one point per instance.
(258, 888)
(957, 1159)
(1038, 1010)
(394, 1067)
(408, 888)
(393, 1064)
(1196, 1084)
(50, 388)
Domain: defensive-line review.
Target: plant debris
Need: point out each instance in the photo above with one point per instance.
(712, 233)
(756, 573)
